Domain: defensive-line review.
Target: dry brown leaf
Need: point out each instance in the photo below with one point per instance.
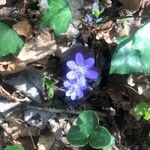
(2, 2)
(131, 5)
(45, 142)
(25, 142)
(15, 129)
(6, 11)
(38, 48)
(10, 67)
(23, 28)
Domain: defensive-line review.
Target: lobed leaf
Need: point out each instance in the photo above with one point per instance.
(57, 17)
(13, 147)
(10, 42)
(88, 121)
(132, 53)
(100, 138)
(76, 137)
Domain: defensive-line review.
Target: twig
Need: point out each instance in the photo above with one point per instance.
(29, 133)
(53, 110)
(123, 17)
(112, 18)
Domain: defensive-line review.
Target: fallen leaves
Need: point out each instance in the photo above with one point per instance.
(34, 50)
(131, 5)
(23, 28)
(45, 142)
(38, 48)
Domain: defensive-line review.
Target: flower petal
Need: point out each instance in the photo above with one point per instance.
(71, 75)
(67, 84)
(96, 5)
(80, 93)
(69, 92)
(71, 65)
(79, 59)
(89, 63)
(73, 96)
(81, 81)
(91, 74)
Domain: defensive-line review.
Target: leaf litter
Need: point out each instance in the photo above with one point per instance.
(37, 115)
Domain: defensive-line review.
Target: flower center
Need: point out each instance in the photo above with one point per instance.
(80, 70)
(74, 88)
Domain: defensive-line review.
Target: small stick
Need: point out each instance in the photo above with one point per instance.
(29, 133)
(53, 110)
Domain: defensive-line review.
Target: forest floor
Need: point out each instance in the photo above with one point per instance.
(35, 112)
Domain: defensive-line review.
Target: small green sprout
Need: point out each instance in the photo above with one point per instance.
(142, 109)
(50, 86)
(95, 12)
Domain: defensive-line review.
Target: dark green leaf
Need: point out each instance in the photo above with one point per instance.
(100, 138)
(13, 147)
(10, 42)
(109, 147)
(58, 16)
(76, 137)
(87, 121)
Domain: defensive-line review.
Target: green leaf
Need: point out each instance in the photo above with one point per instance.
(88, 121)
(58, 16)
(125, 60)
(132, 54)
(50, 91)
(100, 138)
(10, 42)
(96, 12)
(121, 39)
(76, 137)
(147, 114)
(13, 147)
(141, 43)
(50, 85)
(109, 147)
(142, 109)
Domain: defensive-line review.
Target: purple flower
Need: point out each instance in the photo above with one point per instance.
(89, 19)
(96, 5)
(74, 89)
(81, 69)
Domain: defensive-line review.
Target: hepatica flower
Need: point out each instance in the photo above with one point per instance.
(80, 70)
(74, 89)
